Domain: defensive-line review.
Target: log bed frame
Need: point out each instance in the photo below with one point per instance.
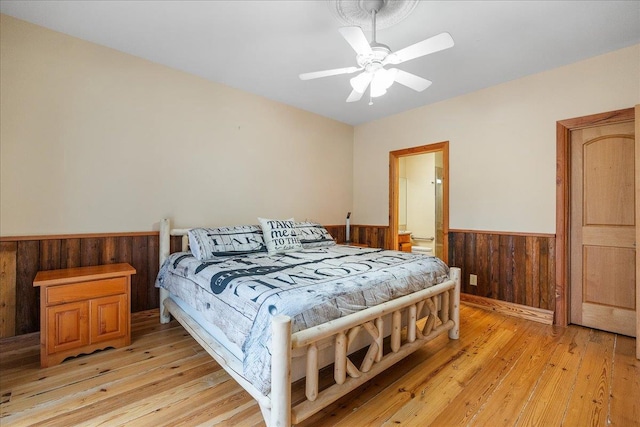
(439, 304)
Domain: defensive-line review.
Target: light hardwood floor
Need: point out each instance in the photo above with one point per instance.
(502, 372)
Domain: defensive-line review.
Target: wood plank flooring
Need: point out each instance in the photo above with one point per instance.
(503, 371)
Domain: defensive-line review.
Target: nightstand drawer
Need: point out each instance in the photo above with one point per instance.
(86, 290)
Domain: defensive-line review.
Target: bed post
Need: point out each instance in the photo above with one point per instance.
(454, 301)
(281, 372)
(165, 242)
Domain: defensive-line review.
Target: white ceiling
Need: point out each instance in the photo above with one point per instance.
(261, 46)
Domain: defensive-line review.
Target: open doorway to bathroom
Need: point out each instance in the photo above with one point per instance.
(419, 198)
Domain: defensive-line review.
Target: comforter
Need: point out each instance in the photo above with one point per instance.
(241, 294)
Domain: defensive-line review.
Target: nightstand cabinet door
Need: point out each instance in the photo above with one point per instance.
(68, 326)
(109, 318)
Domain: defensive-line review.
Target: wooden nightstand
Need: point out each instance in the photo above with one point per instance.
(83, 309)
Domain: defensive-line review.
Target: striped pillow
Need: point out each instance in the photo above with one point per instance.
(313, 235)
(207, 243)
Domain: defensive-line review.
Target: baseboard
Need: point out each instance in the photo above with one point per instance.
(509, 308)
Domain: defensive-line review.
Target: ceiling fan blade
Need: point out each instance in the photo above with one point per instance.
(411, 80)
(356, 38)
(425, 47)
(354, 96)
(327, 73)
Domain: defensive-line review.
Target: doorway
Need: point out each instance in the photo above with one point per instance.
(591, 153)
(436, 187)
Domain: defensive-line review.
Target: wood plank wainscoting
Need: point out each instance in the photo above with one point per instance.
(515, 269)
(374, 236)
(22, 257)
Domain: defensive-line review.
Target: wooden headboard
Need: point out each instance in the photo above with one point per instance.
(165, 238)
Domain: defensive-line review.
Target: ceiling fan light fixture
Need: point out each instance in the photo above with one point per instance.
(377, 91)
(385, 77)
(360, 82)
(382, 80)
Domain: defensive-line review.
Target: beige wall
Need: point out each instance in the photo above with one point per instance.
(94, 140)
(502, 143)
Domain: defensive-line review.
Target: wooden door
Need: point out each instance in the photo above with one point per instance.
(603, 237)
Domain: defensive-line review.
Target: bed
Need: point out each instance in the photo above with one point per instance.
(273, 318)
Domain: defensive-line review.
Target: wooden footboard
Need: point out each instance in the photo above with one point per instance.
(426, 314)
(439, 305)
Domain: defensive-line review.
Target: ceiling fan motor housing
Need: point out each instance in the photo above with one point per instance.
(378, 53)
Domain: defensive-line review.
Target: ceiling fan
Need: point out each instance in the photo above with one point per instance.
(373, 57)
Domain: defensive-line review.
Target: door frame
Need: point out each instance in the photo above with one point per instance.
(394, 168)
(563, 193)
